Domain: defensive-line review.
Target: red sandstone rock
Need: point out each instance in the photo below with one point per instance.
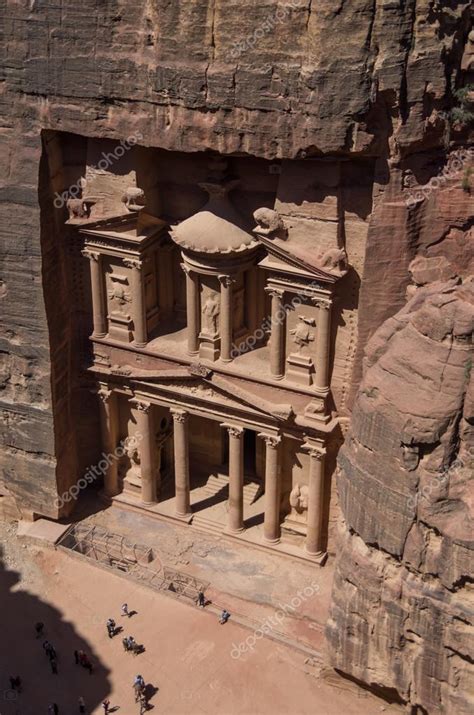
(402, 616)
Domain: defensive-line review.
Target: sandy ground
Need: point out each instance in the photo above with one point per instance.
(189, 660)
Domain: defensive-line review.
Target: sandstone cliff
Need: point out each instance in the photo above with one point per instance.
(403, 609)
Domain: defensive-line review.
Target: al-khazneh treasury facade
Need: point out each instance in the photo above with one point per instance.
(212, 345)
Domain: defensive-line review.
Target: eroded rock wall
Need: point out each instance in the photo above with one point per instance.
(403, 609)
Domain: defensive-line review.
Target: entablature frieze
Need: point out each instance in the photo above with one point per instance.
(312, 290)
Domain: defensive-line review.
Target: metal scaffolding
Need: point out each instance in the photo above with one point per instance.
(136, 561)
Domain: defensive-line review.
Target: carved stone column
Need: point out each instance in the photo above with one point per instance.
(99, 311)
(146, 449)
(181, 462)
(226, 318)
(138, 302)
(278, 334)
(236, 479)
(314, 525)
(271, 524)
(109, 431)
(323, 335)
(192, 310)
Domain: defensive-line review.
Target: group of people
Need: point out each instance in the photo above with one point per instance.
(51, 653)
(201, 602)
(81, 658)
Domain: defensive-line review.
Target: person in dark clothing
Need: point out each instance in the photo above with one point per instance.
(111, 627)
(225, 615)
(54, 666)
(201, 599)
(39, 627)
(82, 704)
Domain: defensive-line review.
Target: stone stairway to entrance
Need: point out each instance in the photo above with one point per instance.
(217, 483)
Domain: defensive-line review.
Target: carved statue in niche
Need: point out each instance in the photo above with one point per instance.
(302, 335)
(298, 503)
(118, 296)
(130, 467)
(210, 313)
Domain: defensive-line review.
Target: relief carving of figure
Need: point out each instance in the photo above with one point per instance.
(302, 335)
(298, 502)
(130, 450)
(210, 313)
(119, 297)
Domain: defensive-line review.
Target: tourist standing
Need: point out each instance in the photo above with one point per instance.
(76, 657)
(201, 599)
(125, 611)
(106, 706)
(54, 666)
(111, 627)
(225, 615)
(82, 704)
(39, 629)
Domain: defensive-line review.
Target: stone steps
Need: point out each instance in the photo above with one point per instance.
(217, 483)
(208, 526)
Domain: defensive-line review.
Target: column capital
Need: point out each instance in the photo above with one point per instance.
(91, 255)
(314, 451)
(141, 405)
(271, 440)
(325, 303)
(274, 291)
(104, 393)
(234, 430)
(180, 416)
(189, 272)
(226, 280)
(133, 263)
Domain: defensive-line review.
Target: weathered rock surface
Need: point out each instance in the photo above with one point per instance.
(403, 608)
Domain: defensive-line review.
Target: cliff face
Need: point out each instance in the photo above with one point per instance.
(365, 78)
(403, 612)
(347, 80)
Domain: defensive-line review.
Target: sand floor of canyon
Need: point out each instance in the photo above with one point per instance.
(187, 661)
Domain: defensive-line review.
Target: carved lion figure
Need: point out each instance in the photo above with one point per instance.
(77, 208)
(334, 258)
(269, 220)
(134, 198)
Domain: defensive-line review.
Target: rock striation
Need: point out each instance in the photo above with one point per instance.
(402, 615)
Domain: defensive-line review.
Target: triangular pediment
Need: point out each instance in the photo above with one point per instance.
(200, 384)
(289, 254)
